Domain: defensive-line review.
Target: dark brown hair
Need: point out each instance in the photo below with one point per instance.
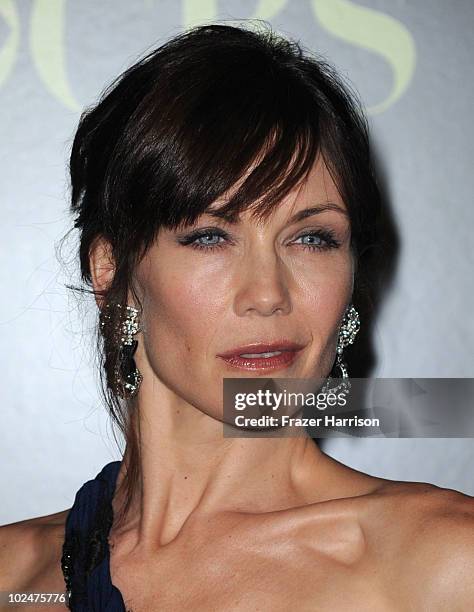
(181, 126)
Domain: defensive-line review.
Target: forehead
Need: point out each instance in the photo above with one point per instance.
(318, 182)
(316, 188)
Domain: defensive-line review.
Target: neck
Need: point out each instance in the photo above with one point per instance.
(189, 470)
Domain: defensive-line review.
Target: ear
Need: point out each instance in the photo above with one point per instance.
(102, 266)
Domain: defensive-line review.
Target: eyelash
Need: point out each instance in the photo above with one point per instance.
(327, 235)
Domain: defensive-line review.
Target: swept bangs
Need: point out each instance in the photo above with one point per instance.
(216, 110)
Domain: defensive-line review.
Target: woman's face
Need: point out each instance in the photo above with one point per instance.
(242, 284)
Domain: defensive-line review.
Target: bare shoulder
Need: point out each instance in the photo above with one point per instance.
(30, 553)
(431, 539)
(444, 548)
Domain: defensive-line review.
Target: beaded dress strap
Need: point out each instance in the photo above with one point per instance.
(85, 553)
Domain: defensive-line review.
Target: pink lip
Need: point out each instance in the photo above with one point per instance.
(262, 347)
(289, 352)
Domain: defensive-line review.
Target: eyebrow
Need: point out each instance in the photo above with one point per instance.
(298, 216)
(316, 210)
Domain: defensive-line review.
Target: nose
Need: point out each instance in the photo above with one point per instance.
(263, 287)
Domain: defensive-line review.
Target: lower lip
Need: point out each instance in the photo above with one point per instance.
(282, 360)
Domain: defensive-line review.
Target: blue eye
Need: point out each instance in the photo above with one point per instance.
(200, 239)
(321, 240)
(203, 238)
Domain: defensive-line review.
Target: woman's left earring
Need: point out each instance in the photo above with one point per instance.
(347, 333)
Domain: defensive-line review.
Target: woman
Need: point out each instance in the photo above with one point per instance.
(227, 205)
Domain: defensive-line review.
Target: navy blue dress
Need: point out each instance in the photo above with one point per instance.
(86, 555)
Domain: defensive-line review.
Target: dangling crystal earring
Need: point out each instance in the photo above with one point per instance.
(347, 333)
(127, 377)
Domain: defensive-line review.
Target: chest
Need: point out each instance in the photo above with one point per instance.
(249, 571)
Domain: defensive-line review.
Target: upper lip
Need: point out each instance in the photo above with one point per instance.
(263, 347)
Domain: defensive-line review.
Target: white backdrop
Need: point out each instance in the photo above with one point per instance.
(410, 62)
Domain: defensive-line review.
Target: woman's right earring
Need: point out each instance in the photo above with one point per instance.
(130, 378)
(127, 377)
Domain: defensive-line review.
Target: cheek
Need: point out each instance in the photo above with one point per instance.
(182, 308)
(326, 290)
